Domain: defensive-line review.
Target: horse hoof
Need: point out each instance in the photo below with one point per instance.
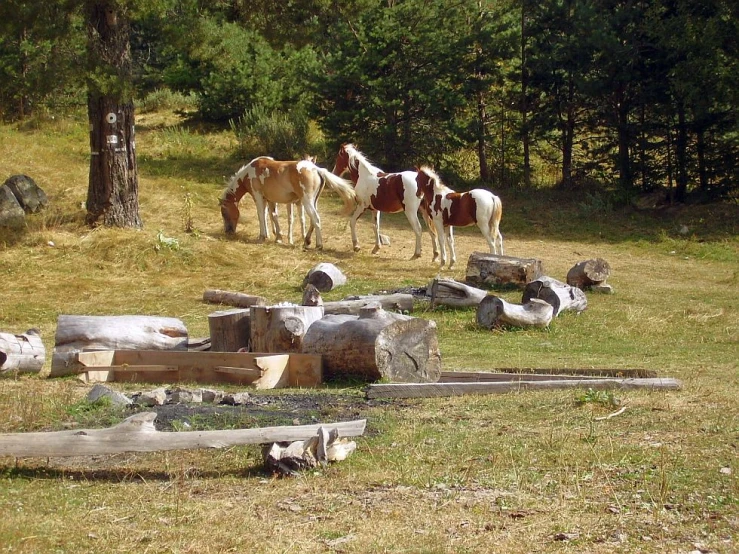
(357, 249)
(376, 249)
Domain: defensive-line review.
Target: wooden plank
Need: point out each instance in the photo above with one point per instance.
(96, 358)
(580, 372)
(138, 434)
(275, 372)
(136, 368)
(489, 376)
(306, 370)
(427, 390)
(245, 371)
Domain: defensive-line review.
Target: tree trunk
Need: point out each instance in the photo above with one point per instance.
(230, 330)
(492, 312)
(525, 135)
(681, 156)
(75, 333)
(112, 196)
(279, 329)
(237, 299)
(376, 345)
(490, 270)
(448, 292)
(556, 293)
(325, 277)
(588, 273)
(21, 353)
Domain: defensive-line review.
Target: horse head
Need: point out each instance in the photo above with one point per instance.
(230, 214)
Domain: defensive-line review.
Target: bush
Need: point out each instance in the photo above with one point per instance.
(284, 136)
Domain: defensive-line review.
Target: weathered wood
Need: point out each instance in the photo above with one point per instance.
(325, 277)
(75, 333)
(560, 295)
(498, 377)
(30, 196)
(138, 434)
(376, 345)
(230, 330)
(448, 292)
(396, 302)
(276, 329)
(491, 270)
(492, 312)
(21, 353)
(311, 296)
(326, 446)
(553, 371)
(428, 390)
(587, 273)
(230, 298)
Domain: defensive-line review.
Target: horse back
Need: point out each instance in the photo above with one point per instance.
(458, 209)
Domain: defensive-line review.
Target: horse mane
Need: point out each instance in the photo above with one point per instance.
(232, 185)
(355, 154)
(439, 186)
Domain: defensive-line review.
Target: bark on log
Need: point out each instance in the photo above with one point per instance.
(230, 330)
(376, 345)
(560, 295)
(279, 329)
(29, 195)
(449, 292)
(138, 434)
(76, 333)
(491, 270)
(493, 312)
(397, 302)
(21, 353)
(236, 299)
(588, 273)
(325, 277)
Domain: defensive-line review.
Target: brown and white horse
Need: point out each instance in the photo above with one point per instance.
(381, 192)
(449, 209)
(282, 182)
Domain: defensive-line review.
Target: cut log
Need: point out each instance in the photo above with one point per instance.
(276, 329)
(448, 292)
(325, 277)
(77, 333)
(230, 330)
(29, 195)
(428, 390)
(491, 270)
(21, 353)
(492, 312)
(376, 345)
(397, 302)
(560, 295)
(138, 434)
(588, 273)
(12, 215)
(236, 299)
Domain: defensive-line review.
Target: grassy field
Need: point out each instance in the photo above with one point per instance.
(516, 473)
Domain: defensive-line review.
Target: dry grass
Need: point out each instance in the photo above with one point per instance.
(527, 472)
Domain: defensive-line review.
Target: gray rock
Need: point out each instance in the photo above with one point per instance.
(11, 212)
(185, 396)
(29, 195)
(156, 397)
(101, 391)
(236, 398)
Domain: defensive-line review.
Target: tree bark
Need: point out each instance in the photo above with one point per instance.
(376, 345)
(278, 329)
(560, 295)
(449, 292)
(325, 277)
(493, 312)
(112, 196)
(21, 353)
(588, 273)
(493, 270)
(230, 330)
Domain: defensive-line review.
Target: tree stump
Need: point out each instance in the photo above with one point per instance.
(229, 298)
(560, 295)
(325, 277)
(449, 292)
(311, 296)
(491, 270)
(230, 330)
(29, 195)
(21, 353)
(12, 215)
(376, 345)
(280, 329)
(493, 312)
(585, 274)
(75, 333)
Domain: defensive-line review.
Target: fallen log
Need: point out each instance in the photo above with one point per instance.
(325, 277)
(21, 353)
(397, 302)
(560, 295)
(77, 333)
(448, 292)
(277, 329)
(376, 345)
(230, 330)
(138, 434)
(229, 298)
(588, 273)
(428, 390)
(493, 312)
(491, 270)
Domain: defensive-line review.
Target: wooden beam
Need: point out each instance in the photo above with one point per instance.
(138, 434)
(427, 390)
(501, 373)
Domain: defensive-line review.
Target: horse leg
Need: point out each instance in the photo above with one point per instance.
(441, 234)
(274, 216)
(416, 225)
(376, 249)
(306, 235)
(434, 237)
(315, 220)
(261, 215)
(353, 226)
(452, 252)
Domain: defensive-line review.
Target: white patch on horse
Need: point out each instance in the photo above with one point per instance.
(305, 164)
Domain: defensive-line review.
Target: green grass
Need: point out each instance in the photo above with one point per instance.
(523, 472)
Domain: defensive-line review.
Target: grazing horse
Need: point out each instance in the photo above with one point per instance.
(282, 182)
(449, 209)
(381, 192)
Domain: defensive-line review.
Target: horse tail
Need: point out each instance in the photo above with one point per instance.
(343, 187)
